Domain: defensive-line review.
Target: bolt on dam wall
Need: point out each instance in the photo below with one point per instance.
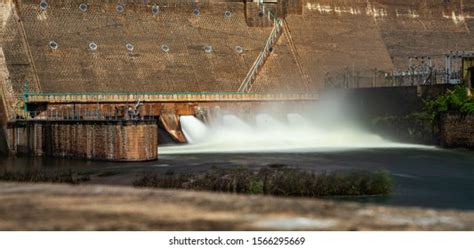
(97, 140)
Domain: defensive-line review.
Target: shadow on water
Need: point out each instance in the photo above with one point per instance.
(432, 178)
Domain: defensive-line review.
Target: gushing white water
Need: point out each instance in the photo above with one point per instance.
(233, 122)
(267, 134)
(265, 122)
(194, 129)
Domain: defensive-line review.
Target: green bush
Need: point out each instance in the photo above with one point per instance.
(456, 100)
(256, 187)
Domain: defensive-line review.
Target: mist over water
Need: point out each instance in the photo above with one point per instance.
(292, 132)
(331, 124)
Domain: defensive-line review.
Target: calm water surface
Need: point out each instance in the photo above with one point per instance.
(432, 178)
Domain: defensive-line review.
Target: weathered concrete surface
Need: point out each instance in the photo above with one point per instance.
(359, 35)
(97, 140)
(329, 36)
(330, 42)
(6, 102)
(457, 130)
(64, 207)
(183, 66)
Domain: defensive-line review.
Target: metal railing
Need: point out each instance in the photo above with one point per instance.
(380, 78)
(84, 115)
(163, 97)
(131, 93)
(246, 85)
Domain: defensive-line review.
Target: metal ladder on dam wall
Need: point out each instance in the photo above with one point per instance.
(249, 79)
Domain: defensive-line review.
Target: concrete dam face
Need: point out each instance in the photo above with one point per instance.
(211, 45)
(75, 59)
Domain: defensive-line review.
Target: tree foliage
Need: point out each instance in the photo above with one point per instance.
(455, 100)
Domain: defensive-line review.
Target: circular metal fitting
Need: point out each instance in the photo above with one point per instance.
(120, 8)
(93, 46)
(197, 12)
(130, 47)
(165, 48)
(53, 45)
(239, 49)
(43, 5)
(227, 13)
(83, 7)
(208, 49)
(155, 10)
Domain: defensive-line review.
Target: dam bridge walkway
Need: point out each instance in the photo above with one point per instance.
(106, 106)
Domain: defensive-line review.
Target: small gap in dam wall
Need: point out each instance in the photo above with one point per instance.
(95, 140)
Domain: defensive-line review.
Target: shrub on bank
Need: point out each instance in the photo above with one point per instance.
(281, 181)
(455, 100)
(43, 176)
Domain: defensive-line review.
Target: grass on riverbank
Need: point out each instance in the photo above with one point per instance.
(278, 181)
(34, 176)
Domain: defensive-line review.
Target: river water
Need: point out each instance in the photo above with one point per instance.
(423, 177)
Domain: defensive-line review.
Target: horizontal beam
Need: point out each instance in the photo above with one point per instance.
(165, 97)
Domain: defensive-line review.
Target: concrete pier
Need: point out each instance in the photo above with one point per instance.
(96, 140)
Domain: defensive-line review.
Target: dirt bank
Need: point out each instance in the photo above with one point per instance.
(95, 207)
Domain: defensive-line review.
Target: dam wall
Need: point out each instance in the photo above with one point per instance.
(359, 36)
(457, 130)
(104, 50)
(191, 57)
(177, 49)
(7, 103)
(94, 140)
